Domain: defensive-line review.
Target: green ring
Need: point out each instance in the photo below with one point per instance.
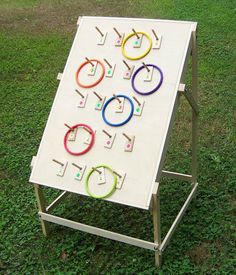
(107, 194)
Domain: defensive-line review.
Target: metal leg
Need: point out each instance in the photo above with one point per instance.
(157, 226)
(42, 207)
(194, 114)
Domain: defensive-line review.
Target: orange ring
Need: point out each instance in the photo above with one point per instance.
(96, 82)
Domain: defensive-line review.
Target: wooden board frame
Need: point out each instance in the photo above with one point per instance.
(151, 130)
(159, 244)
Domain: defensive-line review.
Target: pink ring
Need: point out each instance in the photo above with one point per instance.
(90, 144)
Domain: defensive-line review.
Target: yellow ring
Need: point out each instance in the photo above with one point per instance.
(140, 56)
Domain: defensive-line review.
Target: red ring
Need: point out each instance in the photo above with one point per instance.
(96, 82)
(85, 150)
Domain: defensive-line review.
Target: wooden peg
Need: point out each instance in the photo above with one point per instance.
(109, 65)
(117, 174)
(95, 169)
(155, 34)
(68, 126)
(135, 33)
(105, 132)
(139, 104)
(127, 65)
(99, 31)
(98, 96)
(89, 61)
(86, 129)
(77, 91)
(58, 162)
(77, 166)
(117, 98)
(117, 32)
(129, 139)
(146, 67)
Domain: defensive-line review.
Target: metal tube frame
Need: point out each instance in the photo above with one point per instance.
(157, 246)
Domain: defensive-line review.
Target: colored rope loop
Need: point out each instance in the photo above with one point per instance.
(140, 56)
(123, 122)
(97, 81)
(153, 90)
(110, 192)
(86, 149)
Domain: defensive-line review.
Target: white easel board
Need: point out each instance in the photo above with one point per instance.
(150, 129)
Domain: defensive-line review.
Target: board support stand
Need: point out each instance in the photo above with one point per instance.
(157, 225)
(194, 113)
(41, 207)
(158, 246)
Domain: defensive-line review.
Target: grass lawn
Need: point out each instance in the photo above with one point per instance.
(35, 39)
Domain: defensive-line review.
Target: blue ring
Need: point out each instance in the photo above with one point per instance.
(153, 90)
(125, 121)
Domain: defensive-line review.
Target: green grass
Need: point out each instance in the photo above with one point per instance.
(35, 38)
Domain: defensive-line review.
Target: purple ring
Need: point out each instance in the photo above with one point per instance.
(153, 90)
